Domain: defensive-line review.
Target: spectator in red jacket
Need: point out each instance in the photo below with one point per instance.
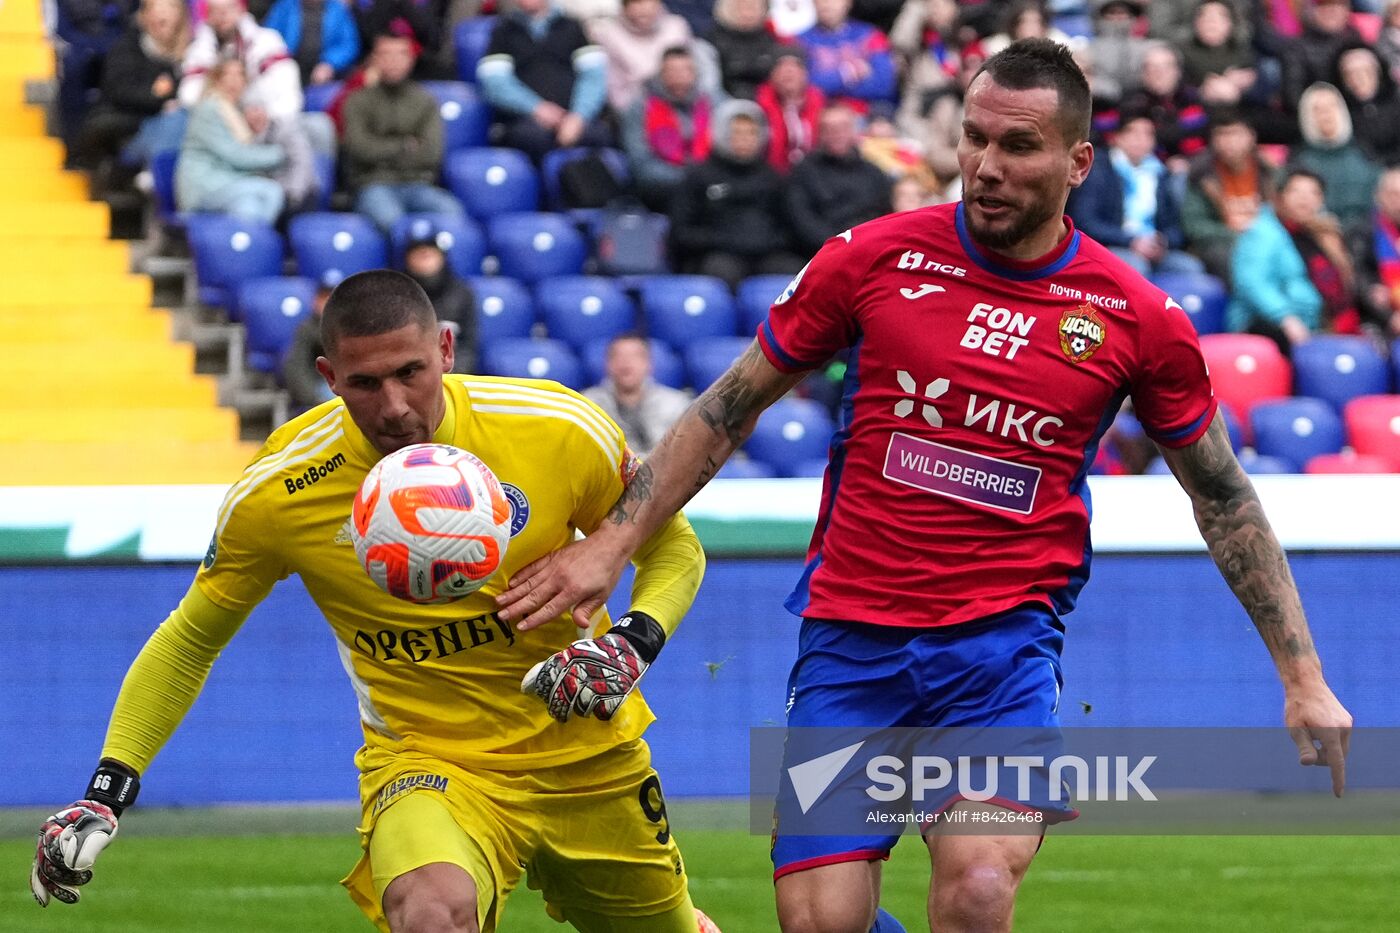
(792, 105)
(668, 129)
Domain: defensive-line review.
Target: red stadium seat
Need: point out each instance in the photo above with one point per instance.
(1373, 427)
(1347, 463)
(1246, 369)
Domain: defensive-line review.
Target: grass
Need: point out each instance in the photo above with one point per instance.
(245, 877)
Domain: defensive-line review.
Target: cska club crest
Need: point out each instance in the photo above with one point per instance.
(1082, 332)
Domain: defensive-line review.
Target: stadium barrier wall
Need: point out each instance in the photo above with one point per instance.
(1157, 640)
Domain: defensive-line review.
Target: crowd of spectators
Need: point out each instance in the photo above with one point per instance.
(1250, 140)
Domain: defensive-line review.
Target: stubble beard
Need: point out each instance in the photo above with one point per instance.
(1023, 225)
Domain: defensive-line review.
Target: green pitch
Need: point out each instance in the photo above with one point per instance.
(156, 879)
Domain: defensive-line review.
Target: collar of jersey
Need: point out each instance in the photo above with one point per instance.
(443, 435)
(1016, 269)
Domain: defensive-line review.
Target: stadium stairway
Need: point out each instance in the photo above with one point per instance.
(93, 388)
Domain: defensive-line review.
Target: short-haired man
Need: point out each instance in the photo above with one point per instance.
(449, 823)
(971, 575)
(644, 408)
(834, 188)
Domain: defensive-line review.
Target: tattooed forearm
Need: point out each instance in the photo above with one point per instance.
(637, 491)
(730, 405)
(707, 473)
(1243, 545)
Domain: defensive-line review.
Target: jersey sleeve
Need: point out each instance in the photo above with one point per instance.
(602, 465)
(242, 563)
(815, 317)
(1171, 391)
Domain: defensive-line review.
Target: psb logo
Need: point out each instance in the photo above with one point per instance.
(1082, 332)
(519, 508)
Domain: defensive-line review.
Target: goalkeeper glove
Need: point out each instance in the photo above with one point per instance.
(71, 839)
(593, 676)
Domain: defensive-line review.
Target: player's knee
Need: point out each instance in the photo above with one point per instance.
(442, 913)
(978, 896)
(824, 915)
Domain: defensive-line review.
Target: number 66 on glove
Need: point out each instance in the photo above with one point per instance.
(71, 839)
(593, 676)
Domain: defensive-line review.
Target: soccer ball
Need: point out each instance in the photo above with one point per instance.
(430, 523)
(705, 924)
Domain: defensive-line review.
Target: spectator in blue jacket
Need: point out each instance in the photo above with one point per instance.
(849, 59)
(222, 168)
(546, 81)
(1273, 293)
(1127, 203)
(321, 35)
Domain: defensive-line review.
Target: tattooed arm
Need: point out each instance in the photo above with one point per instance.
(582, 575)
(1253, 563)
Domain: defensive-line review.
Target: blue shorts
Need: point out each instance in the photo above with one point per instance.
(1001, 671)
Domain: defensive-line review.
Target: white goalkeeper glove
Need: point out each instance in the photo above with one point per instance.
(71, 839)
(593, 676)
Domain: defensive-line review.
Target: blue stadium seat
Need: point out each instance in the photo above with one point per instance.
(458, 237)
(504, 308)
(707, 360)
(1158, 467)
(737, 467)
(338, 244)
(533, 358)
(756, 295)
(682, 309)
(471, 39)
(1339, 369)
(491, 181)
(465, 117)
(163, 165)
(1260, 465)
(816, 467)
(533, 247)
(791, 432)
(227, 252)
(1296, 430)
(579, 309)
(556, 159)
(1202, 296)
(628, 242)
(325, 178)
(273, 308)
(666, 366)
(1233, 428)
(319, 97)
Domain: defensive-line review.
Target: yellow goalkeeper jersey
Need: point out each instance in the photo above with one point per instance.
(438, 679)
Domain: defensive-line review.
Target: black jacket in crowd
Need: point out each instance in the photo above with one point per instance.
(745, 58)
(728, 206)
(827, 195)
(128, 75)
(455, 304)
(545, 67)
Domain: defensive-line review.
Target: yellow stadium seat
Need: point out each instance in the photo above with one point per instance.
(115, 424)
(137, 390)
(21, 219)
(50, 258)
(123, 463)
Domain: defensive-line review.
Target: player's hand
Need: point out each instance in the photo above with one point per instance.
(575, 579)
(69, 842)
(591, 677)
(1321, 728)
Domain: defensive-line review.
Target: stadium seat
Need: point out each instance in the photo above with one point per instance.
(740, 468)
(816, 468)
(1232, 428)
(556, 159)
(1373, 427)
(319, 97)
(1202, 296)
(1348, 463)
(1295, 430)
(163, 165)
(471, 39)
(273, 308)
(1246, 369)
(756, 295)
(1338, 369)
(628, 242)
(459, 238)
(338, 245)
(666, 366)
(707, 360)
(227, 252)
(492, 181)
(579, 309)
(465, 116)
(532, 247)
(504, 308)
(325, 179)
(791, 432)
(533, 358)
(682, 309)
(1260, 465)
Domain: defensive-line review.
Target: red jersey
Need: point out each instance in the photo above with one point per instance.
(977, 390)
